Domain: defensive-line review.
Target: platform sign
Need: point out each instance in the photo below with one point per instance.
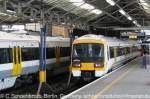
(133, 35)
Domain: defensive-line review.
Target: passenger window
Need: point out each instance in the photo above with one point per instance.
(65, 51)
(5, 55)
(50, 53)
(30, 54)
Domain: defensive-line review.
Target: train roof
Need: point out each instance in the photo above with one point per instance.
(112, 41)
(17, 37)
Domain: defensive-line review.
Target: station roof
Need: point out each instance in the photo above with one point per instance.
(94, 12)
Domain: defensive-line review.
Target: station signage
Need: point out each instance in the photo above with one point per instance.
(133, 35)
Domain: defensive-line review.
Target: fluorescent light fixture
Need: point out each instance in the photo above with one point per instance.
(135, 22)
(111, 2)
(144, 4)
(122, 12)
(87, 6)
(63, 23)
(10, 11)
(138, 25)
(14, 16)
(1, 13)
(129, 18)
(96, 11)
(31, 19)
(77, 2)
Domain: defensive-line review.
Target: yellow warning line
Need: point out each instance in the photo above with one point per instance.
(109, 86)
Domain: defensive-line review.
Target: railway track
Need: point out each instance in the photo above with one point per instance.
(54, 89)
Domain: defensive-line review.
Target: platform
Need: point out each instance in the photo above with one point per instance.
(127, 82)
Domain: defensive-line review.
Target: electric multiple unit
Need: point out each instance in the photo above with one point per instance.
(95, 55)
(19, 55)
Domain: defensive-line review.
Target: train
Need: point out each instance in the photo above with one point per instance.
(19, 55)
(95, 55)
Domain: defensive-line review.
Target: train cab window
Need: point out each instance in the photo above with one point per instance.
(5, 55)
(111, 50)
(88, 52)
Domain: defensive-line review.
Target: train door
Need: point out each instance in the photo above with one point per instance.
(17, 60)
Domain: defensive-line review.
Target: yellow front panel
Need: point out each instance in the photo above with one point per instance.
(100, 69)
(87, 66)
(89, 41)
(75, 68)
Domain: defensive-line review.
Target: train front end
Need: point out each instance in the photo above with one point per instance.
(88, 59)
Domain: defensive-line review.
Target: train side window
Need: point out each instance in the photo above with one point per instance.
(111, 50)
(30, 54)
(65, 51)
(50, 52)
(36, 53)
(5, 55)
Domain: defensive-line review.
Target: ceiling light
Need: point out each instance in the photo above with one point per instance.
(138, 25)
(129, 18)
(144, 4)
(31, 19)
(111, 2)
(122, 12)
(96, 11)
(135, 22)
(11, 11)
(1, 13)
(87, 6)
(77, 2)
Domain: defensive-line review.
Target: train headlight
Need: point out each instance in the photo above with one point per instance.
(98, 65)
(76, 63)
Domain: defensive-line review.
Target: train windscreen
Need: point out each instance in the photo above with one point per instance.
(88, 52)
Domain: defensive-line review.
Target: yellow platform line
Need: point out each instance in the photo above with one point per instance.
(109, 86)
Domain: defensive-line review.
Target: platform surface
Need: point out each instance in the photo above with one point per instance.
(128, 82)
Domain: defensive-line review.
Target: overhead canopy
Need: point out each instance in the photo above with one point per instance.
(124, 13)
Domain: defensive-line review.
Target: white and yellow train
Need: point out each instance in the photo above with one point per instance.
(95, 55)
(19, 55)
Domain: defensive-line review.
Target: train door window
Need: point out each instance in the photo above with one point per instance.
(107, 52)
(111, 50)
(5, 55)
(128, 50)
(118, 51)
(121, 51)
